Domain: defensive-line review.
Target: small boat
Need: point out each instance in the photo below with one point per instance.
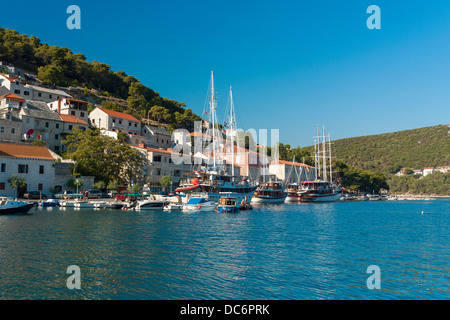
(374, 197)
(85, 204)
(199, 204)
(363, 198)
(150, 204)
(228, 204)
(349, 197)
(10, 206)
(392, 198)
(49, 203)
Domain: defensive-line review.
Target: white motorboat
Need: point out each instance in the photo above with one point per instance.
(150, 204)
(200, 204)
(173, 207)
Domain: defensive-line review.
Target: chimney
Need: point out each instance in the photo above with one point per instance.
(59, 106)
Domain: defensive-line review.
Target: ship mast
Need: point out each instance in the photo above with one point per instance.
(232, 126)
(329, 150)
(324, 156)
(212, 104)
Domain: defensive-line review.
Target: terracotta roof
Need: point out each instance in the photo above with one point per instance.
(76, 100)
(9, 77)
(24, 151)
(297, 164)
(119, 114)
(12, 96)
(72, 119)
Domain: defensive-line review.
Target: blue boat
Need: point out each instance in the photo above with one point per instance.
(49, 203)
(228, 205)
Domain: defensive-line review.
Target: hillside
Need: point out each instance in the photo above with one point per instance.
(389, 152)
(59, 67)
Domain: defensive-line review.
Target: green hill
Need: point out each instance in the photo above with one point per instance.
(389, 152)
(59, 67)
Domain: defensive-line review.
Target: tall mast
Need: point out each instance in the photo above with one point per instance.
(232, 129)
(318, 153)
(329, 150)
(315, 158)
(213, 119)
(324, 156)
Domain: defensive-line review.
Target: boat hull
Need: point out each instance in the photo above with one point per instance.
(227, 209)
(23, 209)
(257, 199)
(320, 197)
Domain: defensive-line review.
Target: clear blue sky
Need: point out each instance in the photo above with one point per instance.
(292, 64)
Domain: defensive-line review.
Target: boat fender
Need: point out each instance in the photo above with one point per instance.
(199, 207)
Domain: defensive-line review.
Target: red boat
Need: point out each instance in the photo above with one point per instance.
(189, 187)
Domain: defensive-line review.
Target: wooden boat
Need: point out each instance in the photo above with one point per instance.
(228, 204)
(270, 192)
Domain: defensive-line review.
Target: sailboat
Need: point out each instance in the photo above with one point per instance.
(215, 182)
(323, 189)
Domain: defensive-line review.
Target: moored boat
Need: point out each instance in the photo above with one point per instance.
(228, 204)
(199, 204)
(269, 192)
(10, 206)
(151, 204)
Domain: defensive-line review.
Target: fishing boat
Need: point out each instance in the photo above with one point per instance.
(228, 205)
(269, 192)
(151, 204)
(10, 206)
(323, 189)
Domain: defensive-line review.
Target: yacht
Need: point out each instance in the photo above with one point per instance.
(200, 203)
(151, 204)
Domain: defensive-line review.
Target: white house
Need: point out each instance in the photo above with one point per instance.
(71, 107)
(34, 163)
(427, 171)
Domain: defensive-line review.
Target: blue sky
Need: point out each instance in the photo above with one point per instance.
(292, 64)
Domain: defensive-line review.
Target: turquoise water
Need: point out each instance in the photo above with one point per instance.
(287, 251)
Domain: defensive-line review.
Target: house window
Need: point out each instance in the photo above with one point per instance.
(120, 121)
(22, 168)
(26, 93)
(81, 114)
(56, 137)
(57, 125)
(114, 120)
(39, 94)
(47, 124)
(40, 187)
(156, 158)
(72, 113)
(129, 124)
(2, 186)
(17, 91)
(56, 148)
(13, 130)
(2, 129)
(49, 96)
(70, 127)
(135, 125)
(41, 169)
(3, 167)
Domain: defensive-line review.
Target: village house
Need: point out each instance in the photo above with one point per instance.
(427, 171)
(157, 137)
(34, 163)
(72, 107)
(16, 86)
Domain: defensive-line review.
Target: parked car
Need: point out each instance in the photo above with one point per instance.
(95, 193)
(67, 194)
(34, 195)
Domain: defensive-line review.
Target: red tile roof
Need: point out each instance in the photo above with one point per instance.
(297, 164)
(119, 114)
(12, 96)
(72, 119)
(24, 151)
